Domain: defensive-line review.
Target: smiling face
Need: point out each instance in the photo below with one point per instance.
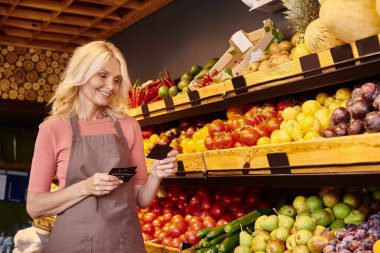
(100, 89)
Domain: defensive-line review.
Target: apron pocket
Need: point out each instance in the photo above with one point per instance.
(127, 245)
(83, 245)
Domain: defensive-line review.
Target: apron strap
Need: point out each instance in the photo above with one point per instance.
(74, 128)
(120, 131)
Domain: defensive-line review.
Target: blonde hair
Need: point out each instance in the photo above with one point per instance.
(86, 61)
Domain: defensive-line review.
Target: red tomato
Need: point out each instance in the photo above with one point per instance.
(249, 136)
(250, 118)
(262, 130)
(284, 103)
(216, 126)
(167, 241)
(183, 196)
(148, 228)
(173, 197)
(177, 218)
(166, 210)
(226, 217)
(208, 223)
(158, 223)
(168, 203)
(236, 121)
(176, 243)
(204, 213)
(154, 202)
(191, 237)
(181, 204)
(217, 141)
(242, 210)
(161, 236)
(216, 211)
(227, 200)
(157, 232)
(203, 192)
(195, 201)
(206, 204)
(217, 196)
(273, 124)
(238, 145)
(228, 140)
(156, 210)
(221, 222)
(188, 218)
(167, 217)
(149, 217)
(176, 229)
(195, 219)
(197, 225)
(147, 237)
(232, 111)
(237, 198)
(264, 205)
(189, 210)
(253, 199)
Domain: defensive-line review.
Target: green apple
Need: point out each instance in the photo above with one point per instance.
(303, 236)
(355, 217)
(259, 220)
(322, 217)
(317, 243)
(376, 195)
(288, 210)
(275, 246)
(305, 222)
(314, 202)
(299, 204)
(341, 210)
(331, 198)
(285, 221)
(352, 199)
(291, 241)
(270, 223)
(259, 243)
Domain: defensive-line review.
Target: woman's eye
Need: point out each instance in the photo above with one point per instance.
(103, 75)
(118, 81)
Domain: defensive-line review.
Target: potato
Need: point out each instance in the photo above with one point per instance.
(285, 46)
(264, 56)
(265, 65)
(273, 48)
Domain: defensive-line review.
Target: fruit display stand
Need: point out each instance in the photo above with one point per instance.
(152, 247)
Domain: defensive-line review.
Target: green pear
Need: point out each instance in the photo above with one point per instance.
(275, 246)
(301, 249)
(337, 224)
(260, 231)
(288, 210)
(304, 213)
(259, 243)
(270, 223)
(341, 210)
(259, 220)
(245, 239)
(288, 251)
(352, 198)
(242, 249)
(305, 222)
(280, 233)
(303, 236)
(291, 241)
(329, 234)
(322, 217)
(285, 221)
(314, 202)
(317, 243)
(318, 230)
(331, 198)
(299, 204)
(355, 217)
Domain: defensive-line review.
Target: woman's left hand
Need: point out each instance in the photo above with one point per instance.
(165, 167)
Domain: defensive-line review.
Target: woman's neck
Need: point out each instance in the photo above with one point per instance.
(91, 115)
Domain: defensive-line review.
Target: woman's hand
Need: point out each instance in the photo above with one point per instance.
(100, 184)
(165, 167)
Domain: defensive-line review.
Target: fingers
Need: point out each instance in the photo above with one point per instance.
(102, 183)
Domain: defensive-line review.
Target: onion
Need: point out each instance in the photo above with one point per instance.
(372, 122)
(359, 109)
(376, 103)
(370, 91)
(340, 114)
(341, 129)
(356, 127)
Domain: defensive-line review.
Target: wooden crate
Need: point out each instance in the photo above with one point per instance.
(152, 247)
(346, 55)
(347, 154)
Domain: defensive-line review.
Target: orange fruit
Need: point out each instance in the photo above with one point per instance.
(376, 247)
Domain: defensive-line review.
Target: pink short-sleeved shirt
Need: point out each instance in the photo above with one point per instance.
(53, 146)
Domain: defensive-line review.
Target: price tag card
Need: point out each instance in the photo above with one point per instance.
(159, 152)
(124, 174)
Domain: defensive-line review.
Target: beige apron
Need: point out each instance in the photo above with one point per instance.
(98, 224)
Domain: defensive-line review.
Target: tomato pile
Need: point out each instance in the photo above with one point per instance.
(184, 211)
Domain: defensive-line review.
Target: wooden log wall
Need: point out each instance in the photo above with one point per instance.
(30, 74)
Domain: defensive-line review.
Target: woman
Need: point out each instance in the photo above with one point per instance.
(86, 136)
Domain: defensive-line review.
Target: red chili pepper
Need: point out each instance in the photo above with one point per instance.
(145, 100)
(157, 98)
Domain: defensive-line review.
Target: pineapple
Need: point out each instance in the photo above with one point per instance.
(300, 13)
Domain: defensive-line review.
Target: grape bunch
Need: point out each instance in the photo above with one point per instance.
(361, 115)
(356, 239)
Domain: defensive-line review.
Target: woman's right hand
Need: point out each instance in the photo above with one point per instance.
(100, 184)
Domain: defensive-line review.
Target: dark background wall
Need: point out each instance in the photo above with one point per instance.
(185, 33)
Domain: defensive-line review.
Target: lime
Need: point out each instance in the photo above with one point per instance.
(195, 69)
(211, 63)
(163, 92)
(187, 75)
(182, 84)
(173, 91)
